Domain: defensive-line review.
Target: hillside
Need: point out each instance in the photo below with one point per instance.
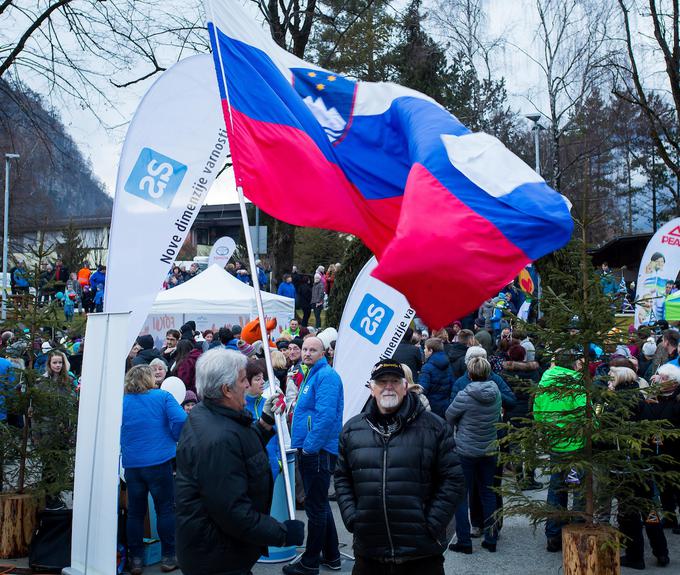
(52, 180)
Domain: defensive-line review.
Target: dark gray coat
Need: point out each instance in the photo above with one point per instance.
(475, 412)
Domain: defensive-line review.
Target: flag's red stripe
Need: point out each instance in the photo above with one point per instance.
(282, 171)
(438, 233)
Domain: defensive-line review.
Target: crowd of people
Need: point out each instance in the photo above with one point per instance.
(444, 392)
(79, 290)
(417, 472)
(311, 292)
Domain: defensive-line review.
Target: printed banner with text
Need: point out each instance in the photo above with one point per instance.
(658, 271)
(222, 251)
(174, 149)
(373, 323)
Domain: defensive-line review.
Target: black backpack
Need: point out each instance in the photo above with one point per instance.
(50, 549)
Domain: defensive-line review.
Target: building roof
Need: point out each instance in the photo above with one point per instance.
(625, 250)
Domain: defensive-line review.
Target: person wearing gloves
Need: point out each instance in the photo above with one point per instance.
(316, 426)
(224, 483)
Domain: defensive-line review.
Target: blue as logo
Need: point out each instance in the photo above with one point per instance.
(155, 178)
(371, 319)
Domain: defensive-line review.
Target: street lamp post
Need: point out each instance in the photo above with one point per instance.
(5, 235)
(535, 129)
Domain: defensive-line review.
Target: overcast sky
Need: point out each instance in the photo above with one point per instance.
(513, 20)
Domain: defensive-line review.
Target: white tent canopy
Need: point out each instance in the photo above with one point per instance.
(215, 291)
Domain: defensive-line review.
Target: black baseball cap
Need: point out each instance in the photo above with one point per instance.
(387, 367)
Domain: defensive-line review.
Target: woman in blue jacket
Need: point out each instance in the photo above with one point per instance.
(255, 373)
(152, 423)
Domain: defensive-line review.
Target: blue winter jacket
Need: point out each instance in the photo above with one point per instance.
(437, 379)
(7, 384)
(262, 278)
(317, 419)
(507, 396)
(152, 422)
(286, 290)
(20, 278)
(97, 278)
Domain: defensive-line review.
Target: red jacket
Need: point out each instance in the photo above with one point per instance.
(186, 370)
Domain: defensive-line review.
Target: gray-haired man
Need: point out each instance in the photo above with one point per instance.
(224, 482)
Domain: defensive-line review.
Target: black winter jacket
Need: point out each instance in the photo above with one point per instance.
(223, 492)
(410, 355)
(456, 352)
(146, 356)
(397, 492)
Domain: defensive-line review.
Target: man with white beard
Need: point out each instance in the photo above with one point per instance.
(398, 480)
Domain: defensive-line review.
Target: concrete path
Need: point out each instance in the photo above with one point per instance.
(521, 551)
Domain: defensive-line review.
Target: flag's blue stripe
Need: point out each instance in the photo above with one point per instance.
(219, 73)
(533, 216)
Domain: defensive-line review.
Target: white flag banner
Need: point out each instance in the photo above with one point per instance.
(373, 324)
(175, 147)
(658, 271)
(100, 410)
(222, 251)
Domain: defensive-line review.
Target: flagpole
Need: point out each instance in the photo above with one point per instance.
(280, 421)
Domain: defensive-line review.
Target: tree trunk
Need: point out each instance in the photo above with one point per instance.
(590, 550)
(18, 518)
(283, 244)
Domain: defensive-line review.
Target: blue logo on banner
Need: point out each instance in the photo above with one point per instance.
(155, 178)
(372, 319)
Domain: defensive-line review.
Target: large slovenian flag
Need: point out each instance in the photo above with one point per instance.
(451, 215)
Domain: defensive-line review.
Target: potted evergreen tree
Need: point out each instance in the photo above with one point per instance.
(37, 430)
(585, 435)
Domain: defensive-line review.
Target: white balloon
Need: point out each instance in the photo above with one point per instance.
(175, 386)
(327, 336)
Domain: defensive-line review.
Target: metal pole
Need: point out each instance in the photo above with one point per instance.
(257, 232)
(5, 236)
(654, 222)
(280, 421)
(537, 145)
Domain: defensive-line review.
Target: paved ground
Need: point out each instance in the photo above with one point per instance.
(521, 551)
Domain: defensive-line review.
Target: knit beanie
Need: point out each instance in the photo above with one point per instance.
(190, 396)
(145, 341)
(245, 348)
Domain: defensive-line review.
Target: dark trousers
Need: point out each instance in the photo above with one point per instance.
(558, 496)
(322, 537)
(317, 315)
(480, 472)
(428, 566)
(475, 501)
(630, 524)
(157, 480)
(670, 501)
(305, 316)
(631, 520)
